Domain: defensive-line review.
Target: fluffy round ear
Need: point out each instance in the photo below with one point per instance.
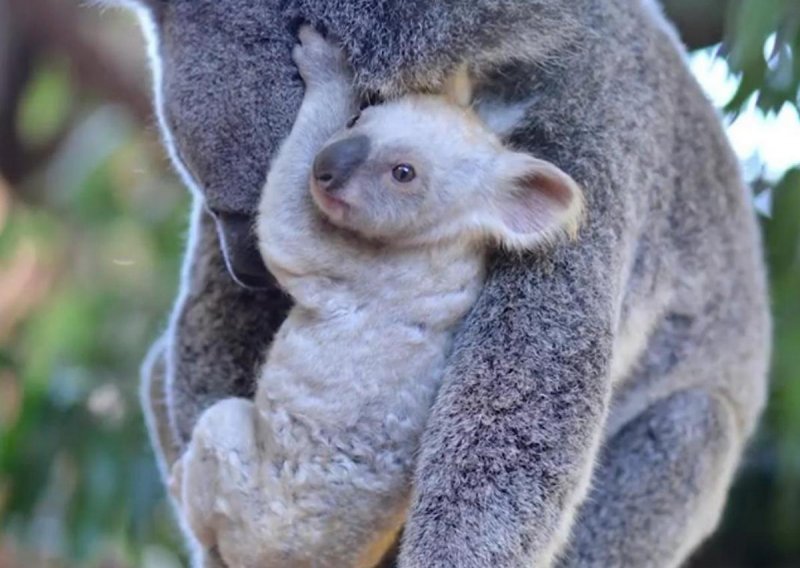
(534, 202)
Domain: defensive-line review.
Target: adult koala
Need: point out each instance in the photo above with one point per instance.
(598, 398)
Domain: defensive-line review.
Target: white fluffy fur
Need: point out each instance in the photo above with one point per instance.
(316, 471)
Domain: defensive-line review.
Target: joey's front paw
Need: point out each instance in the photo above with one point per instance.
(319, 61)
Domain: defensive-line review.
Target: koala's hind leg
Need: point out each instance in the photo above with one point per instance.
(659, 487)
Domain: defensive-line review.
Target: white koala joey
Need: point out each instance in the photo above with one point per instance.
(378, 224)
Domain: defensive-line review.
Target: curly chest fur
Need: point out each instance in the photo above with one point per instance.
(356, 364)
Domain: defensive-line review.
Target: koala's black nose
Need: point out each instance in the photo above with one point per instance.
(240, 249)
(335, 163)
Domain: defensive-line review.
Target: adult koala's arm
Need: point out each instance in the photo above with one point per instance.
(514, 434)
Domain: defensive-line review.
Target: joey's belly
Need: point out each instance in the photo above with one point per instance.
(335, 378)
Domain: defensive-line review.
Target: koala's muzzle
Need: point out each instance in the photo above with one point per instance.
(335, 163)
(240, 248)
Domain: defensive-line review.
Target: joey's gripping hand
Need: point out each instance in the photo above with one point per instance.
(321, 63)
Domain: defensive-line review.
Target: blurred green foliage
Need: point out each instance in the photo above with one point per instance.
(763, 48)
(90, 248)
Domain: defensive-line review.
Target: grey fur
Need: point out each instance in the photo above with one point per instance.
(636, 356)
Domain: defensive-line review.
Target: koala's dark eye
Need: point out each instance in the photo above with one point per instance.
(353, 120)
(404, 173)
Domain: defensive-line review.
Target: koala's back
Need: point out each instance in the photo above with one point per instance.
(696, 270)
(698, 281)
(621, 112)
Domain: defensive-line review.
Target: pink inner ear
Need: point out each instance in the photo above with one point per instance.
(549, 186)
(536, 203)
(526, 213)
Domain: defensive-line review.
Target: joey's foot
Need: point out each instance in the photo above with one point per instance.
(214, 480)
(320, 61)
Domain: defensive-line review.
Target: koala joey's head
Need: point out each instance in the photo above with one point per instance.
(226, 93)
(422, 169)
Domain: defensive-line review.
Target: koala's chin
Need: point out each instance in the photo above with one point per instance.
(333, 207)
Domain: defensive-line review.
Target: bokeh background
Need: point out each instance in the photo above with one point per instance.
(92, 227)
